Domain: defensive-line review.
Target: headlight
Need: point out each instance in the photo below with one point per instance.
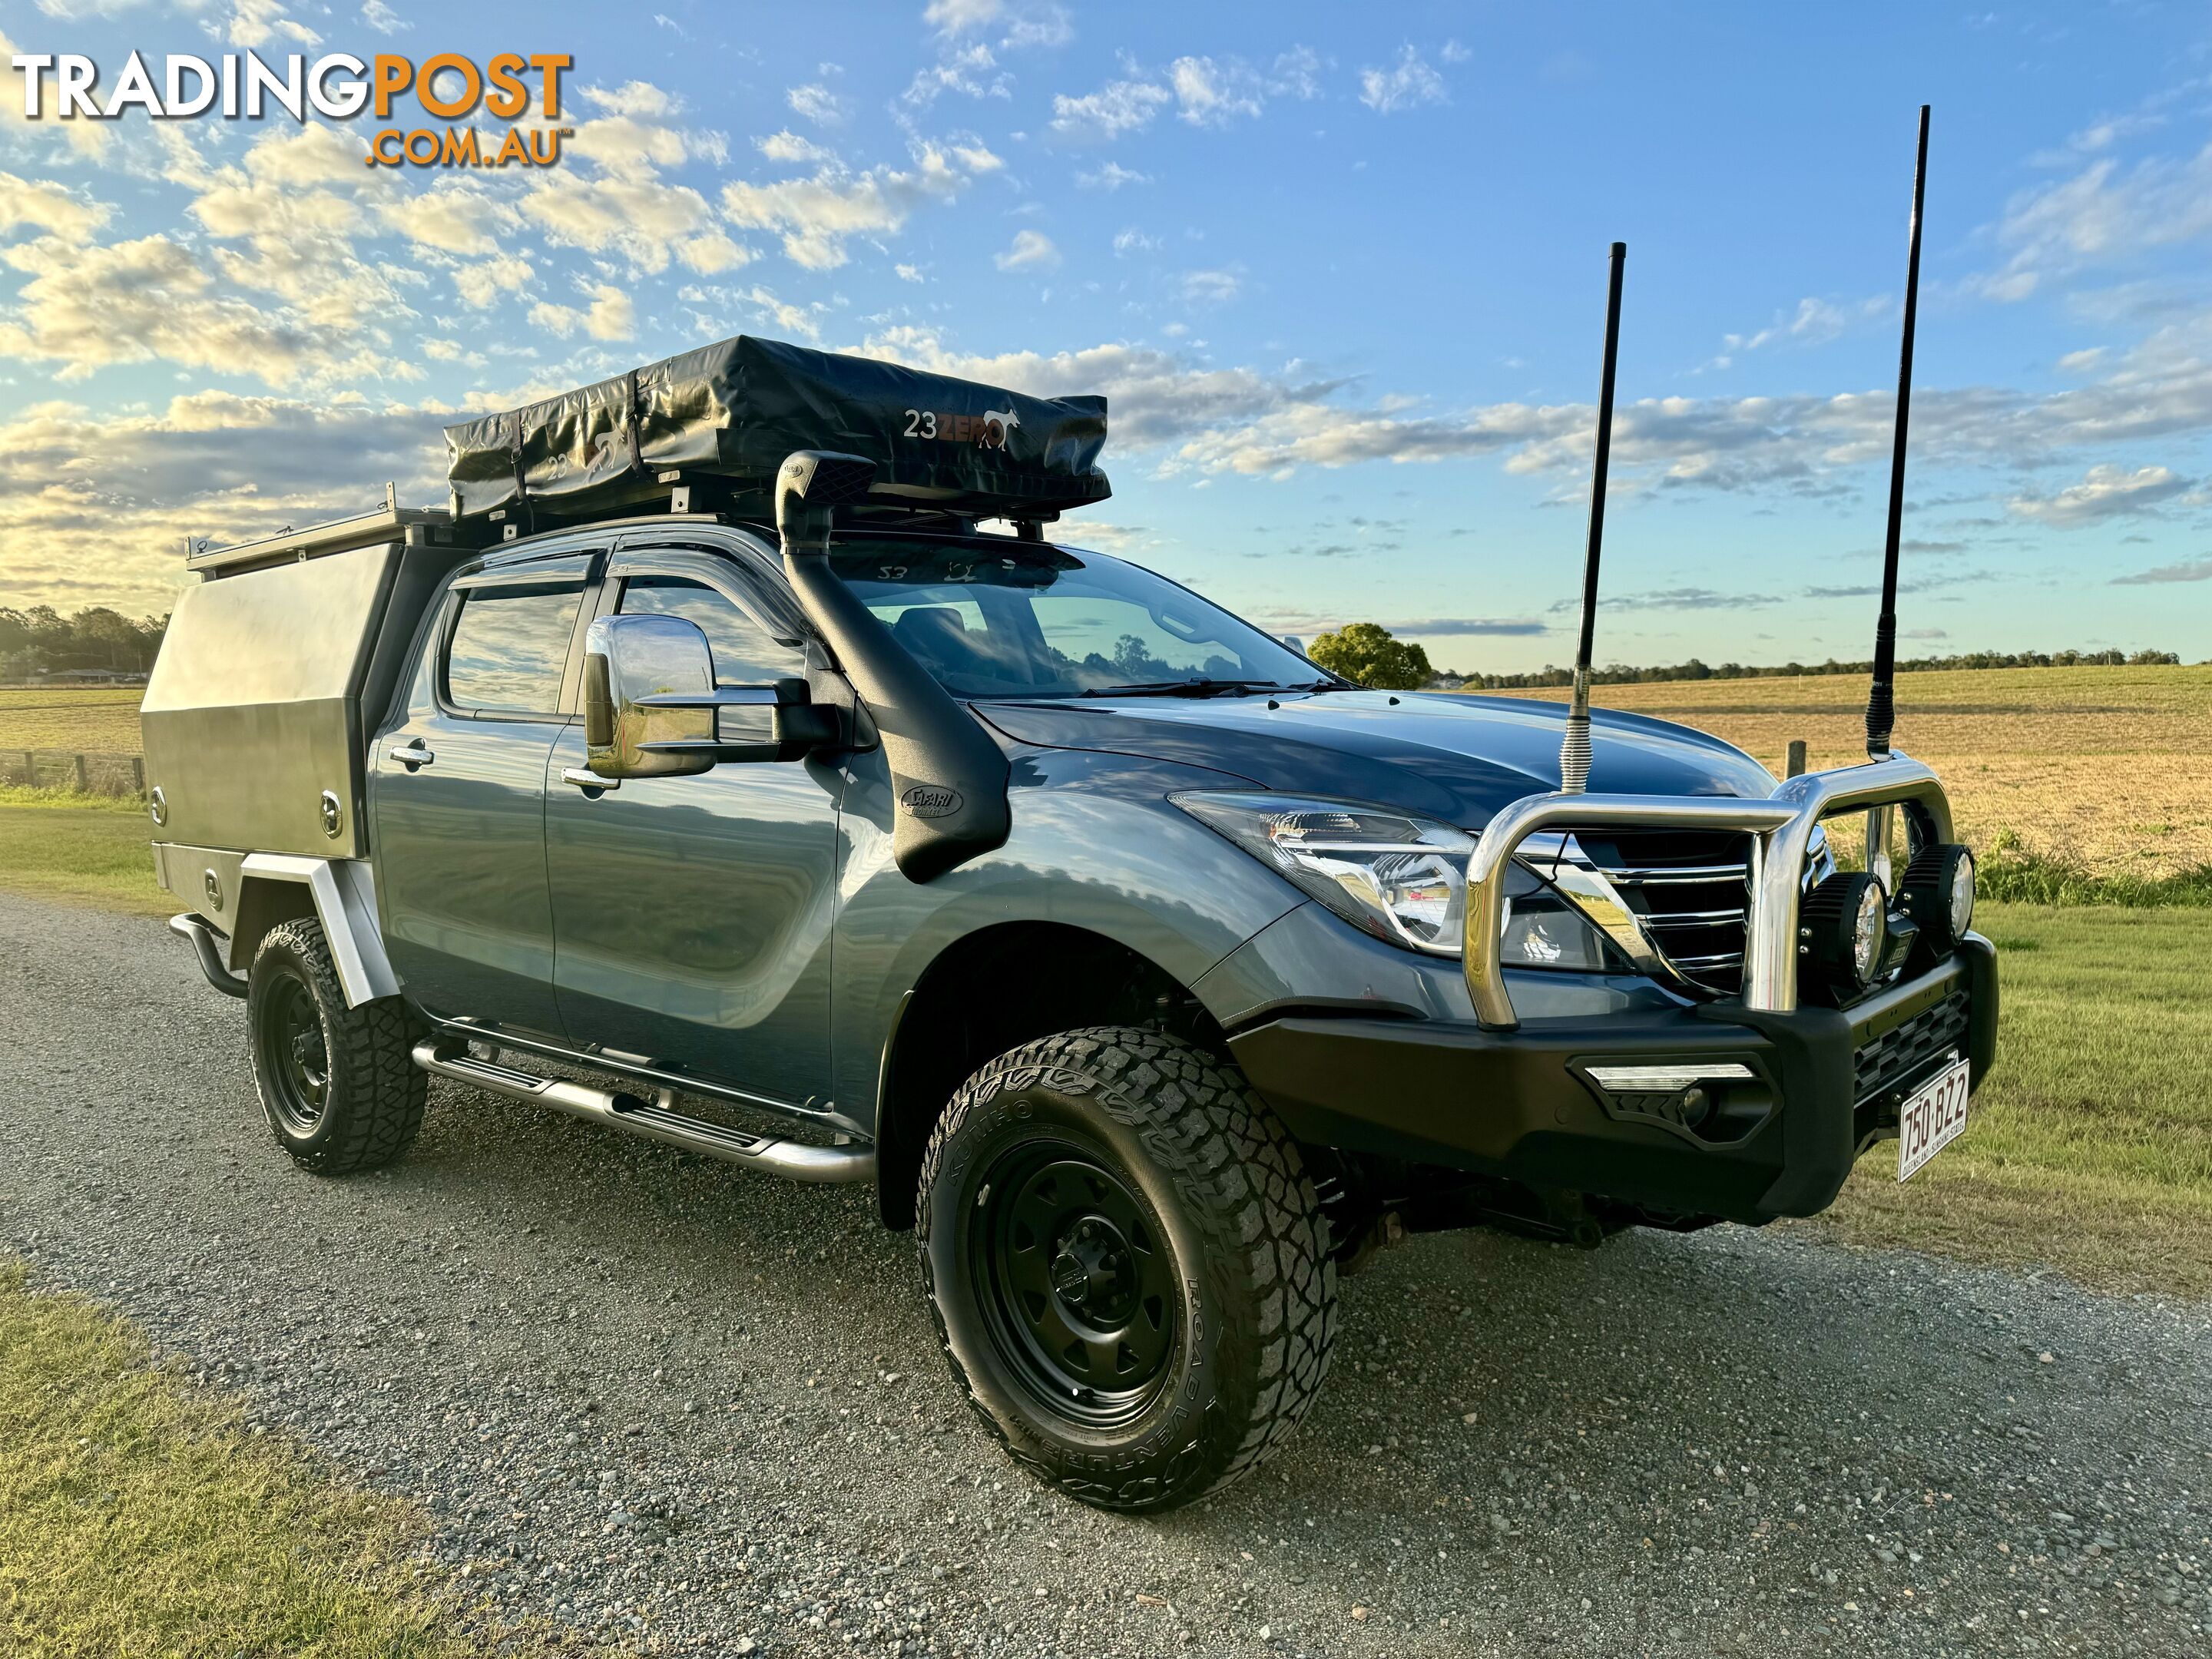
(1401, 878)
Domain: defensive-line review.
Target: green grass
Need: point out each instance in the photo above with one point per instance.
(2008, 873)
(138, 1516)
(2089, 1148)
(88, 849)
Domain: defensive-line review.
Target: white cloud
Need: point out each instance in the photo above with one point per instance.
(1130, 240)
(1031, 250)
(817, 103)
(643, 219)
(789, 146)
(503, 277)
(817, 216)
(713, 253)
(907, 273)
(49, 207)
(258, 22)
(124, 302)
(1117, 107)
(639, 99)
(2105, 493)
(1112, 177)
(210, 464)
(1213, 94)
(2105, 214)
(381, 18)
(968, 70)
(1407, 84)
(962, 16)
(610, 316)
(1211, 287)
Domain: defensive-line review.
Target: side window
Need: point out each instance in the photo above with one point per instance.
(744, 652)
(509, 648)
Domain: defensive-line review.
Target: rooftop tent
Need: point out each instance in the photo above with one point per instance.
(732, 411)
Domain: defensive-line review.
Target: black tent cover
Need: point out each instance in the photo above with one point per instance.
(734, 410)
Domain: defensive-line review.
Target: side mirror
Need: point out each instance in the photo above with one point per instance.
(652, 708)
(631, 664)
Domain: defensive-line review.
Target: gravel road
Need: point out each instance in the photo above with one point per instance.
(694, 1410)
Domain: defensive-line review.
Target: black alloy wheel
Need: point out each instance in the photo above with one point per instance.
(1075, 1280)
(294, 1052)
(1130, 1271)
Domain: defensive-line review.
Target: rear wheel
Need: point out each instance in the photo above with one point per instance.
(339, 1085)
(1130, 1270)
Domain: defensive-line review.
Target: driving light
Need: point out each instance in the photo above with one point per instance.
(1843, 928)
(1938, 893)
(1398, 876)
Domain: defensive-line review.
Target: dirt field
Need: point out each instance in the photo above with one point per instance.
(2110, 768)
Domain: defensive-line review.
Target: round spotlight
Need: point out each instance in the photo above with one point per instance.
(1938, 893)
(1842, 929)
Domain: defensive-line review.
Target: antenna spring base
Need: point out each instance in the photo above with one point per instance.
(1575, 754)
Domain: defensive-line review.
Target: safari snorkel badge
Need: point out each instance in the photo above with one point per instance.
(930, 801)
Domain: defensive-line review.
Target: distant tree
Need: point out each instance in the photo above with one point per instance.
(41, 641)
(1366, 655)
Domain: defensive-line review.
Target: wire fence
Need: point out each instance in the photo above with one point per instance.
(87, 773)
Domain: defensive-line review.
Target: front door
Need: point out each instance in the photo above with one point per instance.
(692, 914)
(459, 796)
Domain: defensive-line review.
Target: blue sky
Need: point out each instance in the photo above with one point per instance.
(1340, 270)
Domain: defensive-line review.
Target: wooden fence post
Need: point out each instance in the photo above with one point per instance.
(1796, 757)
(139, 774)
(76, 770)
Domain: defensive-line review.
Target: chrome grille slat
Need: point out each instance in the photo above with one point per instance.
(1690, 906)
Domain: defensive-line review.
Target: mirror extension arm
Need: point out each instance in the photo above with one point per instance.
(948, 778)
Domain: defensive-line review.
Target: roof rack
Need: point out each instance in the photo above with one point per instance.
(416, 526)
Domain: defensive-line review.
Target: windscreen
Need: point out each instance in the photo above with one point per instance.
(1009, 619)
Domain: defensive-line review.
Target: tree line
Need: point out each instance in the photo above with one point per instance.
(1368, 654)
(41, 641)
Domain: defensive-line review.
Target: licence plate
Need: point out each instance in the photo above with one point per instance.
(1933, 1118)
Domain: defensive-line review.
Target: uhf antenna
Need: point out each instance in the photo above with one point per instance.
(1575, 746)
(1881, 707)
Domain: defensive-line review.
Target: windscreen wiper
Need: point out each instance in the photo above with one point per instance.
(1185, 688)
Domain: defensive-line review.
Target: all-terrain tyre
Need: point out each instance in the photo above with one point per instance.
(339, 1085)
(1130, 1271)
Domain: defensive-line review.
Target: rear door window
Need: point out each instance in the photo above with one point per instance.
(509, 648)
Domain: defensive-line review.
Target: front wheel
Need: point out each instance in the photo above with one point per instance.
(1130, 1271)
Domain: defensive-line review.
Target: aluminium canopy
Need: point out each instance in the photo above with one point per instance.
(734, 410)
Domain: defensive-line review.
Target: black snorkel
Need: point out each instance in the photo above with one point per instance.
(948, 778)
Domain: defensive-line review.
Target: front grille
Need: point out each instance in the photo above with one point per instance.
(1690, 891)
(1900, 1053)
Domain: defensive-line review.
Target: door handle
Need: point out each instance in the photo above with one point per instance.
(412, 754)
(588, 780)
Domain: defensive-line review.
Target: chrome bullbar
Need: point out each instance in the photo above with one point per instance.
(1781, 828)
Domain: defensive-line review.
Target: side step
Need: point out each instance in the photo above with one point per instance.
(795, 1160)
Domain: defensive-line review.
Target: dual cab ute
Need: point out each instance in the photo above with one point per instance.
(1151, 974)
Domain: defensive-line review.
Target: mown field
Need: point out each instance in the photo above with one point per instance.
(2109, 769)
(103, 722)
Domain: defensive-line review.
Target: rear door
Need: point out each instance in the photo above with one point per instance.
(693, 915)
(459, 794)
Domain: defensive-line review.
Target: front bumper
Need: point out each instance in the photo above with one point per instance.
(1521, 1104)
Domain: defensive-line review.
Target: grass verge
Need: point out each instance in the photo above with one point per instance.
(2010, 874)
(87, 849)
(137, 1515)
(2089, 1148)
